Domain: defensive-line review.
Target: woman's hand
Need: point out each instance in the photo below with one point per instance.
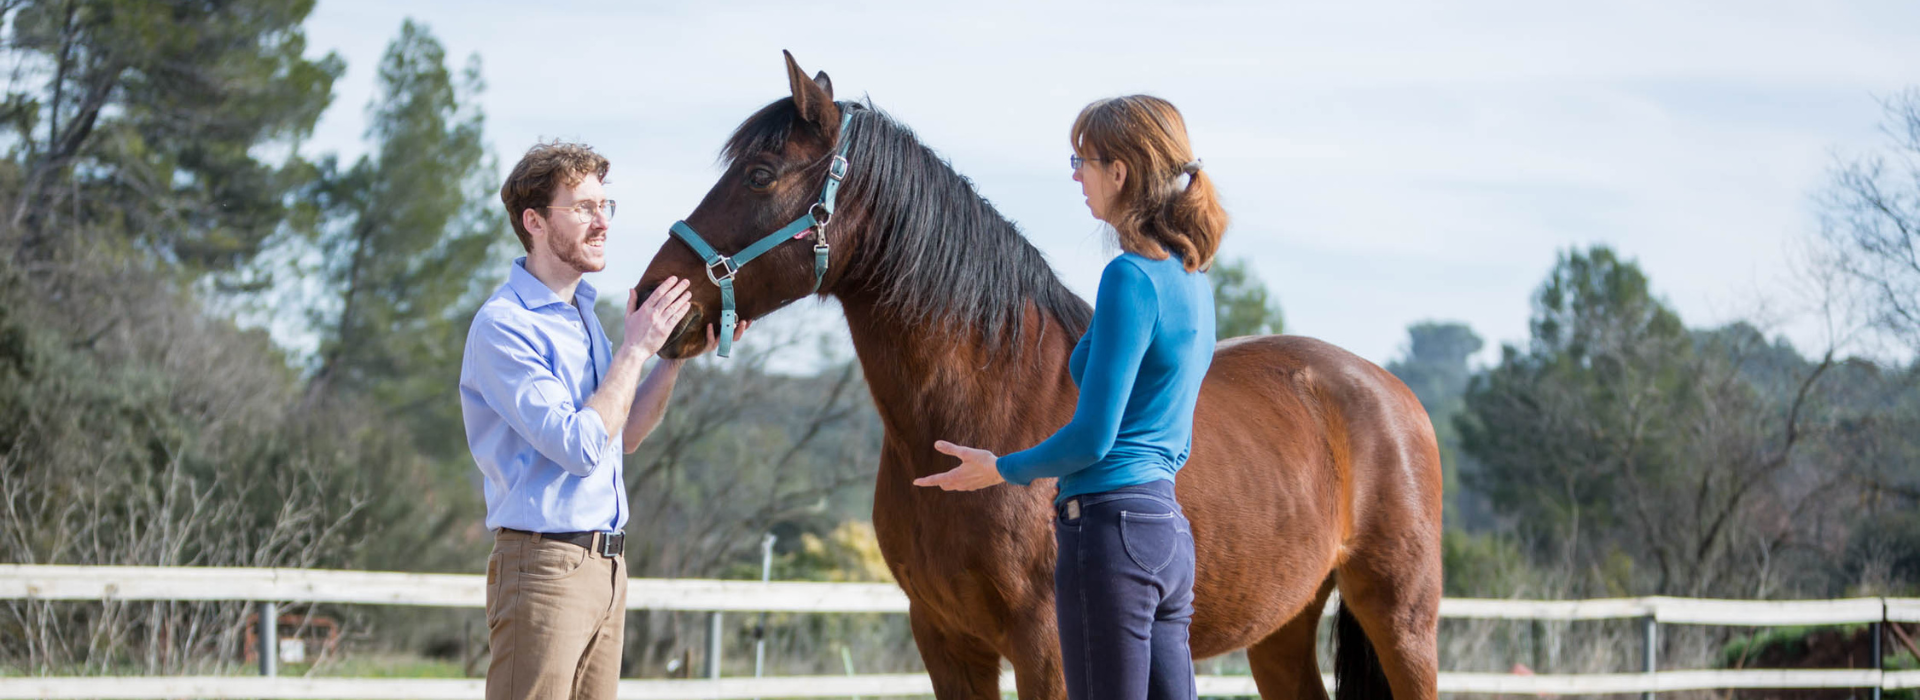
(978, 469)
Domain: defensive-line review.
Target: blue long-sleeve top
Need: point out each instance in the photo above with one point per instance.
(1138, 367)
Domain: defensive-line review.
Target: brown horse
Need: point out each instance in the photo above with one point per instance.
(1310, 468)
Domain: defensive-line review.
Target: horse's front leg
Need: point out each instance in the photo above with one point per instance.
(962, 666)
(1033, 645)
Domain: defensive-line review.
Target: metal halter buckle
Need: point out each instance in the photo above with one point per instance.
(837, 169)
(725, 262)
(820, 216)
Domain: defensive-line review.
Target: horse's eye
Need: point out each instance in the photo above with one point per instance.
(760, 178)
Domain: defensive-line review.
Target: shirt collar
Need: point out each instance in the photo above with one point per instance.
(535, 294)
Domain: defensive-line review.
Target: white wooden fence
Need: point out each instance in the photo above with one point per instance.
(102, 583)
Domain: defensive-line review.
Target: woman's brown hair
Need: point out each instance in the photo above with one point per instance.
(1152, 213)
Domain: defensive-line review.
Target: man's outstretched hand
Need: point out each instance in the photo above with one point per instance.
(713, 341)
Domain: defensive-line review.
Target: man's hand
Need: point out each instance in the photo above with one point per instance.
(651, 323)
(978, 469)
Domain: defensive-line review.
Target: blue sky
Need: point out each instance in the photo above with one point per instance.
(1384, 163)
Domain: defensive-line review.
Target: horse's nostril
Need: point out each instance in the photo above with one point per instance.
(689, 324)
(687, 337)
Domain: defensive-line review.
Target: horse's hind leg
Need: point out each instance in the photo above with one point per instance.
(1398, 608)
(1284, 663)
(961, 667)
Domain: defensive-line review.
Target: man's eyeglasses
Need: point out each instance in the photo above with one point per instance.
(584, 212)
(1077, 161)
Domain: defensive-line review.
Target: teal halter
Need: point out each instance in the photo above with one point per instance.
(721, 269)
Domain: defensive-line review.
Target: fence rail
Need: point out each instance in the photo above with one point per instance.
(132, 583)
(436, 590)
(19, 581)
(884, 685)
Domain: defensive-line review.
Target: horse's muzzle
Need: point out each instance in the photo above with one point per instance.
(688, 337)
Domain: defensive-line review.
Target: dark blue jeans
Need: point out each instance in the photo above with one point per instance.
(1123, 591)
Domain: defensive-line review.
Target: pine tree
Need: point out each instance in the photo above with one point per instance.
(412, 245)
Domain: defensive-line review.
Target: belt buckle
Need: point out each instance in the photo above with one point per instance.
(612, 545)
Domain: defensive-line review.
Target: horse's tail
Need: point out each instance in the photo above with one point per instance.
(1357, 674)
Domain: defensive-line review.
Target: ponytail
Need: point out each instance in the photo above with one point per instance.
(1193, 219)
(1168, 204)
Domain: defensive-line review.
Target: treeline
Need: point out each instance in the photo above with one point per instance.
(1619, 451)
(220, 349)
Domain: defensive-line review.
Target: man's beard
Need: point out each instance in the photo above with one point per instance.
(574, 254)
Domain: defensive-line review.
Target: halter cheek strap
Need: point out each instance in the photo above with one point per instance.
(721, 269)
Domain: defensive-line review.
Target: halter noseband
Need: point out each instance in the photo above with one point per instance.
(721, 269)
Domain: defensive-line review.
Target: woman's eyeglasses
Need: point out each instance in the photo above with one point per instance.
(1077, 161)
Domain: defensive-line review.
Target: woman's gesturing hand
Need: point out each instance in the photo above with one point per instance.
(978, 469)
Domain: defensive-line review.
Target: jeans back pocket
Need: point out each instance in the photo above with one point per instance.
(1151, 539)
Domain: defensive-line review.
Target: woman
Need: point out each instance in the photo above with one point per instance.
(1123, 582)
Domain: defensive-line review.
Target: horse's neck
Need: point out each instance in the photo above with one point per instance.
(930, 385)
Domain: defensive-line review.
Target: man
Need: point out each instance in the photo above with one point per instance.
(545, 403)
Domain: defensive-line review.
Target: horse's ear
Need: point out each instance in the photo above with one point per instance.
(812, 96)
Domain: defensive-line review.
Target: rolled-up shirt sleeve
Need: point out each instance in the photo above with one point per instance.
(516, 382)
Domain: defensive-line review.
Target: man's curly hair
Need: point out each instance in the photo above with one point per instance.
(545, 168)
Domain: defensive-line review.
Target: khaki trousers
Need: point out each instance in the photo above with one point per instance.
(556, 620)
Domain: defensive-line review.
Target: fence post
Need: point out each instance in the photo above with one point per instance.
(1650, 642)
(269, 639)
(1538, 628)
(846, 659)
(760, 632)
(1878, 630)
(713, 646)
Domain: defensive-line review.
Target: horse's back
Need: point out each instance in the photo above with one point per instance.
(1332, 413)
(1332, 397)
(1298, 446)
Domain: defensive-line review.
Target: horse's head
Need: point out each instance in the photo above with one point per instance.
(777, 163)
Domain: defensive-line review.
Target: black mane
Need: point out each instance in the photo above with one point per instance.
(937, 252)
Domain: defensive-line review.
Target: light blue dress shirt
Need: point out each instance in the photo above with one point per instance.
(532, 360)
